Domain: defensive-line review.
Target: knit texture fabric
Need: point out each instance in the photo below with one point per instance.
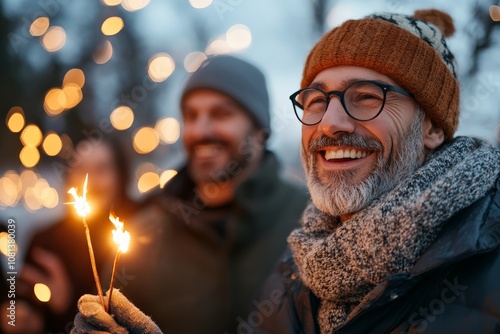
(238, 79)
(410, 50)
(341, 263)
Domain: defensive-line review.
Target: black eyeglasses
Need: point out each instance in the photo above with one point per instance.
(362, 100)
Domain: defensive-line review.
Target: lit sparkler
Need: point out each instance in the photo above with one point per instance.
(122, 240)
(82, 208)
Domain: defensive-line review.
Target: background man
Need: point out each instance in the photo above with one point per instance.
(203, 248)
(402, 232)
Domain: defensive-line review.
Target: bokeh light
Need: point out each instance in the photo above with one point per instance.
(15, 119)
(134, 5)
(54, 102)
(122, 118)
(52, 144)
(28, 179)
(111, 2)
(29, 156)
(31, 201)
(49, 198)
(198, 4)
(4, 244)
(148, 181)
(54, 39)
(146, 139)
(10, 192)
(42, 292)
(168, 129)
(74, 76)
(160, 67)
(166, 176)
(73, 95)
(193, 61)
(495, 12)
(239, 37)
(39, 26)
(144, 168)
(103, 53)
(31, 135)
(112, 26)
(218, 46)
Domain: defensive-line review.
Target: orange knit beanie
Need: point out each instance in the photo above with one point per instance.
(409, 49)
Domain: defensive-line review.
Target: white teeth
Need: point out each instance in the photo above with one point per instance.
(203, 151)
(342, 154)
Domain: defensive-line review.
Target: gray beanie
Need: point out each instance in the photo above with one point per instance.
(237, 79)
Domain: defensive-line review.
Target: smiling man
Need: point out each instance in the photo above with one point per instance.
(402, 235)
(203, 247)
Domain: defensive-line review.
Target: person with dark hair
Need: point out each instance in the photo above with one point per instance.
(58, 256)
(202, 248)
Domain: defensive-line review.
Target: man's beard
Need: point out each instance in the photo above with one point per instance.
(339, 197)
(239, 157)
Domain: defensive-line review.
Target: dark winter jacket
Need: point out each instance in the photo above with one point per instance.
(195, 269)
(453, 288)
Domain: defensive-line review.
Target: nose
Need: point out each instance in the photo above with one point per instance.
(336, 120)
(198, 129)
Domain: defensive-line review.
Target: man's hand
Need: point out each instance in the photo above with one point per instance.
(124, 317)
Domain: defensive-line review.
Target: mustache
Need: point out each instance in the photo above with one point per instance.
(346, 139)
(207, 141)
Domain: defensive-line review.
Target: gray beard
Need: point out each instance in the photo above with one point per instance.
(340, 197)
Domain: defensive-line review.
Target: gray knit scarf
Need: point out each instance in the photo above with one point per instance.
(341, 263)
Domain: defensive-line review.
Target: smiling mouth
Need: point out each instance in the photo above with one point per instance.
(346, 154)
(207, 150)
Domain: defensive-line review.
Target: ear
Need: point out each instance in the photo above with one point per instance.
(432, 135)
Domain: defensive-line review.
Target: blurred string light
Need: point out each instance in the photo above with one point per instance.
(29, 156)
(54, 39)
(239, 37)
(111, 2)
(68, 96)
(39, 26)
(103, 53)
(112, 26)
(166, 176)
(145, 167)
(168, 129)
(122, 118)
(67, 146)
(74, 76)
(193, 61)
(218, 46)
(145, 140)
(4, 244)
(134, 5)
(198, 4)
(52, 144)
(148, 181)
(33, 189)
(15, 119)
(495, 12)
(31, 138)
(31, 135)
(160, 67)
(42, 292)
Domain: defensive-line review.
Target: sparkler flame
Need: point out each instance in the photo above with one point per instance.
(120, 237)
(81, 205)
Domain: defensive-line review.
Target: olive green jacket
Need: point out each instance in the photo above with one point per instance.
(199, 270)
